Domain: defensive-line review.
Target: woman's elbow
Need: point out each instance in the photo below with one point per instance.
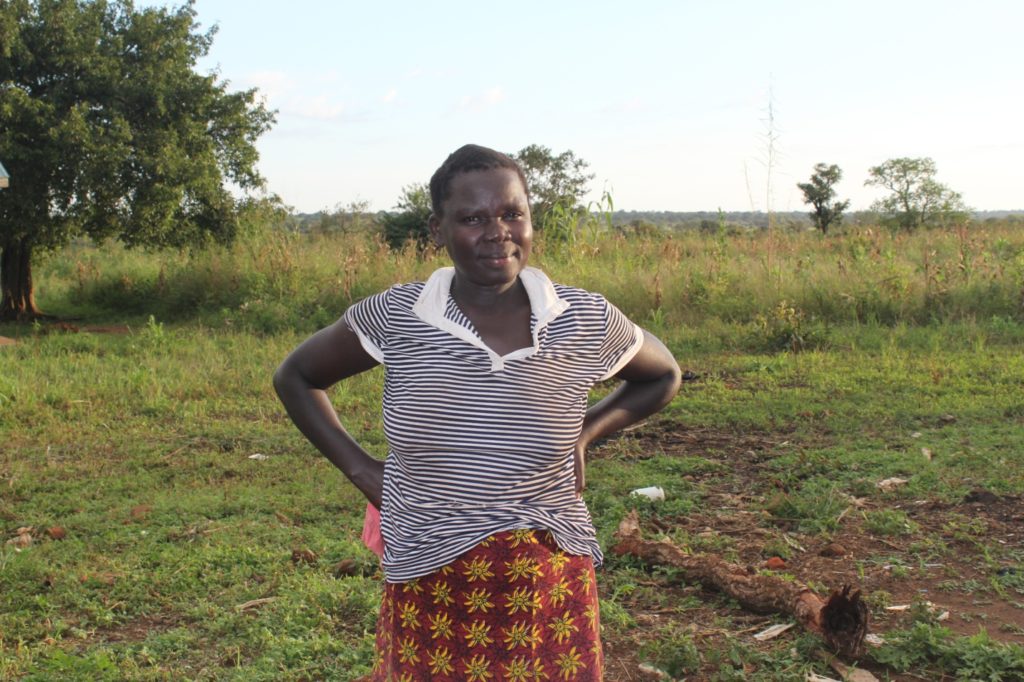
(283, 376)
(672, 380)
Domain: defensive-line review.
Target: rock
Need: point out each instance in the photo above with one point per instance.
(56, 533)
(345, 567)
(833, 549)
(981, 497)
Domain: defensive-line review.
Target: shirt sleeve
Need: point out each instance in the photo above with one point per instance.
(369, 319)
(622, 341)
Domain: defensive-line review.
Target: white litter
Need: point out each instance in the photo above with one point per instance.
(652, 493)
(259, 456)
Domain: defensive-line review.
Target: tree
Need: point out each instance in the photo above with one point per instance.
(111, 133)
(916, 199)
(553, 180)
(820, 192)
(410, 219)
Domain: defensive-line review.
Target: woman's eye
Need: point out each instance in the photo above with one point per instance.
(513, 215)
(471, 220)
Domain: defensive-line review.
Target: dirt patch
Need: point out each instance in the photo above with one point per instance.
(947, 563)
(137, 629)
(5, 341)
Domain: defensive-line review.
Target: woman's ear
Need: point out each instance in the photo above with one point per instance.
(434, 224)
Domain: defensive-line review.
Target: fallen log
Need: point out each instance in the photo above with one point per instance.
(841, 620)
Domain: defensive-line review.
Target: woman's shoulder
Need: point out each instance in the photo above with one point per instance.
(578, 296)
(400, 295)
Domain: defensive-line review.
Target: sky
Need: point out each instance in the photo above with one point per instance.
(667, 101)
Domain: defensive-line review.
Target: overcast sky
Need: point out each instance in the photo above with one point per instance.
(667, 101)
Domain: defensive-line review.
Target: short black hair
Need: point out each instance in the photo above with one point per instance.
(469, 157)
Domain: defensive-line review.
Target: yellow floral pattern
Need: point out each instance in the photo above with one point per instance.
(515, 608)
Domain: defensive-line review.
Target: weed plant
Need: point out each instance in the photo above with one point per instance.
(277, 280)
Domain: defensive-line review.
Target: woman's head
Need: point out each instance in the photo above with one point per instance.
(470, 157)
(481, 216)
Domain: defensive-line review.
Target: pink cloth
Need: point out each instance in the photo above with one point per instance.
(371, 530)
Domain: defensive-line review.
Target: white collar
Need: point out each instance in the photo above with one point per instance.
(544, 304)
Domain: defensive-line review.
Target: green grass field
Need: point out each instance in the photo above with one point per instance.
(153, 544)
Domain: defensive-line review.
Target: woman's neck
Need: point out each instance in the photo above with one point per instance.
(492, 299)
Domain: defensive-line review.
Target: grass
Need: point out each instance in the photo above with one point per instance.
(818, 378)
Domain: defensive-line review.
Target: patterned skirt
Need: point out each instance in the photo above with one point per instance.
(513, 608)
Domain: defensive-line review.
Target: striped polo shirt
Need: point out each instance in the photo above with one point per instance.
(479, 443)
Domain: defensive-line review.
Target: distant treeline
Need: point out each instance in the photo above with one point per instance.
(348, 220)
(687, 220)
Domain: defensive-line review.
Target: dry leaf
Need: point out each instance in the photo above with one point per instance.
(303, 556)
(254, 603)
(927, 454)
(20, 541)
(140, 512)
(891, 483)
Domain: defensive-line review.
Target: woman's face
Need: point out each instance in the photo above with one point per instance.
(486, 226)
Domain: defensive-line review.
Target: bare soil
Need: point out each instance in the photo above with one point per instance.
(889, 570)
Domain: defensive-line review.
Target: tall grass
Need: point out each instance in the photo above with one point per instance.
(275, 279)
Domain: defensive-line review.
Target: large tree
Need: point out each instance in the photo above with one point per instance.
(554, 179)
(915, 198)
(108, 130)
(820, 192)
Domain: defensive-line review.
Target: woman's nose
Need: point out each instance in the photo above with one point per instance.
(497, 230)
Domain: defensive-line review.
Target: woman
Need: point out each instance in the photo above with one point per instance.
(489, 550)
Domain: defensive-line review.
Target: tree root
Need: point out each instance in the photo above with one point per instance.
(841, 620)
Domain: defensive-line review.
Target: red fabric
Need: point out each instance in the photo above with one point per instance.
(512, 609)
(371, 530)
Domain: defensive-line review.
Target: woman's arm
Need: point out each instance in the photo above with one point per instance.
(327, 357)
(649, 382)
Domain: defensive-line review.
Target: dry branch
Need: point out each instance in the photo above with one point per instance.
(841, 620)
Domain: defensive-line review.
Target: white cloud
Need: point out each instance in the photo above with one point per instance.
(319, 108)
(482, 101)
(390, 96)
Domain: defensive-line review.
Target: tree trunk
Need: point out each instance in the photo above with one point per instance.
(841, 620)
(17, 299)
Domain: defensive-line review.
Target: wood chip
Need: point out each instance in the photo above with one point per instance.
(773, 632)
(649, 672)
(846, 673)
